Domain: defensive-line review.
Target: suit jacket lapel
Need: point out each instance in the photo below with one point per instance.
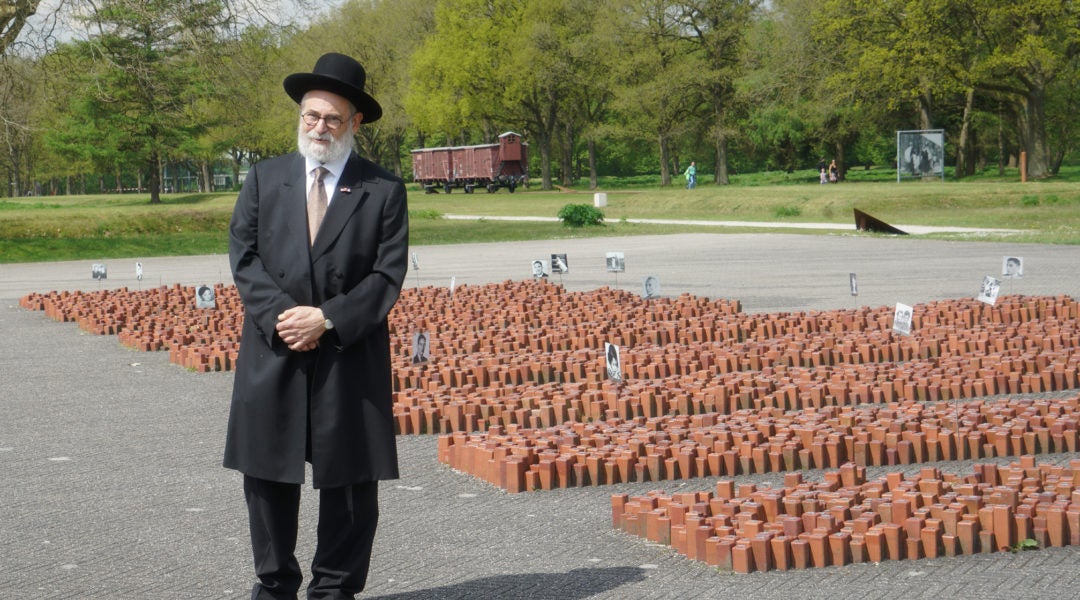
(294, 194)
(347, 198)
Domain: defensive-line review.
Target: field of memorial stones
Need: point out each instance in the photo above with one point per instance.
(517, 390)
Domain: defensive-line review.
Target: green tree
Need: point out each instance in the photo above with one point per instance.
(455, 74)
(497, 65)
(1029, 47)
(779, 84)
(657, 83)
(245, 120)
(591, 92)
(718, 28)
(545, 73)
(147, 75)
(16, 135)
(393, 31)
(923, 50)
(1063, 118)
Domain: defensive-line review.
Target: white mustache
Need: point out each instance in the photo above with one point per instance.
(325, 137)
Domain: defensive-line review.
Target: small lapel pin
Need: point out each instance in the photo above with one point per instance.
(346, 190)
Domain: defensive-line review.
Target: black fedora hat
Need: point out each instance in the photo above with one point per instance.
(338, 74)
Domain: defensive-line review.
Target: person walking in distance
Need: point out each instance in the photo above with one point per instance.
(318, 246)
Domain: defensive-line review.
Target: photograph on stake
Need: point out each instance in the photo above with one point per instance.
(611, 361)
(902, 319)
(988, 291)
(650, 287)
(204, 297)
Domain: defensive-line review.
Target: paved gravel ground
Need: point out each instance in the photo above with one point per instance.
(111, 484)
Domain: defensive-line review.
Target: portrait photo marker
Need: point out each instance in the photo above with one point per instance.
(612, 362)
(902, 319)
(989, 290)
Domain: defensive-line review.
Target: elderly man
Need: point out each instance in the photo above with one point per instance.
(318, 246)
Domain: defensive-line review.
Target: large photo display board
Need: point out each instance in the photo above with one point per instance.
(920, 153)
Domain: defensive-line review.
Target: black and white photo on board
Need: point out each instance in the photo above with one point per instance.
(539, 269)
(988, 291)
(1012, 267)
(611, 361)
(559, 264)
(650, 286)
(616, 262)
(902, 319)
(204, 297)
(421, 347)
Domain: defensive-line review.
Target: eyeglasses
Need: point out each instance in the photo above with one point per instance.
(311, 119)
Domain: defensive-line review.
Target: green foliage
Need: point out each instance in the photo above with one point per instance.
(755, 92)
(581, 215)
(1029, 201)
(787, 211)
(1026, 544)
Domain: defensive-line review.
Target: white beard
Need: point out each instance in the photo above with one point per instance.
(337, 149)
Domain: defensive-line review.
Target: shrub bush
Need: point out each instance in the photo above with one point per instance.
(580, 215)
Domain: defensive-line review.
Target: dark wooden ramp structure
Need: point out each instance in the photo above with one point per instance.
(864, 222)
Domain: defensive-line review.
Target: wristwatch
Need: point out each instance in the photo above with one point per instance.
(328, 324)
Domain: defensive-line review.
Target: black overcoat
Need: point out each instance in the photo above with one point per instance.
(354, 273)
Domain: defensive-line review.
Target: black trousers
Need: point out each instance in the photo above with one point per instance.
(347, 520)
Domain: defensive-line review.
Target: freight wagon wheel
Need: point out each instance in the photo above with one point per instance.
(468, 189)
(491, 187)
(512, 186)
(447, 188)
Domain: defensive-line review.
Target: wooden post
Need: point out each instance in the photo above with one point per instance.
(1023, 167)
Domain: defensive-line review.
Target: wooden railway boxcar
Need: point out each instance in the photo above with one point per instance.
(491, 166)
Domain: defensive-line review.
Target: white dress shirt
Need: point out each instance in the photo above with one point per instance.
(335, 169)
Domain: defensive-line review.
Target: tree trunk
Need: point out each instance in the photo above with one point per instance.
(963, 151)
(207, 175)
(720, 170)
(1055, 162)
(925, 106)
(567, 158)
(838, 153)
(545, 163)
(665, 169)
(592, 163)
(395, 142)
(155, 181)
(1001, 143)
(1033, 121)
(976, 158)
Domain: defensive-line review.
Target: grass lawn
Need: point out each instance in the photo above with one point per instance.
(119, 226)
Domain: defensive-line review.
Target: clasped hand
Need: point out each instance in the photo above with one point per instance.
(301, 327)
